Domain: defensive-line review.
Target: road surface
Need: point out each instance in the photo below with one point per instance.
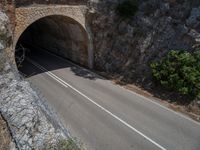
(105, 116)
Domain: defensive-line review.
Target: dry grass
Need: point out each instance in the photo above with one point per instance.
(5, 137)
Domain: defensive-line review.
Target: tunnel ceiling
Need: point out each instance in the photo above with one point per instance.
(60, 35)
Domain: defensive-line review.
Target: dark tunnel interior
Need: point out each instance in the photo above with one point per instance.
(59, 35)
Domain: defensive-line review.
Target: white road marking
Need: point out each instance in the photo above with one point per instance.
(48, 73)
(89, 99)
(136, 94)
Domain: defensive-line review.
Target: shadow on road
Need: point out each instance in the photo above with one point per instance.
(52, 62)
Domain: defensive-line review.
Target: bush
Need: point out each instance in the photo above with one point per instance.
(2, 61)
(69, 144)
(127, 8)
(179, 71)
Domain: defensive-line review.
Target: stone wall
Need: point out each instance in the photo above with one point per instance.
(25, 16)
(60, 35)
(20, 3)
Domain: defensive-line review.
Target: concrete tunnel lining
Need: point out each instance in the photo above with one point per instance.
(61, 35)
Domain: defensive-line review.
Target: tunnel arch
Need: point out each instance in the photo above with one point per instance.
(68, 18)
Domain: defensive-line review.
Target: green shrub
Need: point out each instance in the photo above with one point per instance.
(179, 71)
(69, 144)
(2, 61)
(127, 8)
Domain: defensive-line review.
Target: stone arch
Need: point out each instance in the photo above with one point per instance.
(26, 16)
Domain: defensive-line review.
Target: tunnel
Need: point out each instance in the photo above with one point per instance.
(55, 34)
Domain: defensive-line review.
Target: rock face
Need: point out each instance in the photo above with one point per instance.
(4, 36)
(127, 46)
(30, 125)
(19, 105)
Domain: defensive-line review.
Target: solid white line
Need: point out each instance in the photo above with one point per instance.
(104, 109)
(49, 73)
(136, 94)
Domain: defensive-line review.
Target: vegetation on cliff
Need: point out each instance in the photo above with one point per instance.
(70, 144)
(179, 71)
(127, 8)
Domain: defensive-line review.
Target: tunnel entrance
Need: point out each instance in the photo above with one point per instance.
(59, 35)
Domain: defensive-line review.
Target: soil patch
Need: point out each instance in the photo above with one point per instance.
(5, 137)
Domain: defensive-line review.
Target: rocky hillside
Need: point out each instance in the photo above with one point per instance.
(126, 46)
(28, 118)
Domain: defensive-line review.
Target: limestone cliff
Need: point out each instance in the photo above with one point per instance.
(127, 46)
(28, 118)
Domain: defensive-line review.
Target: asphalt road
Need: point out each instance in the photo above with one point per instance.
(105, 116)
